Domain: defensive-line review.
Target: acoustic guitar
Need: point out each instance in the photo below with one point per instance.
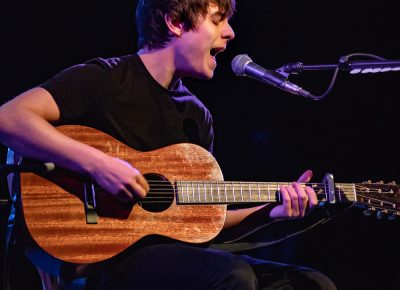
(74, 220)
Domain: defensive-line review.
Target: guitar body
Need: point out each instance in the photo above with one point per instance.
(54, 212)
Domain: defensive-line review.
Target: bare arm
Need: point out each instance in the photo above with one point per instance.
(25, 127)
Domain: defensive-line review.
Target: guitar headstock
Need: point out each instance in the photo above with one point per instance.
(384, 198)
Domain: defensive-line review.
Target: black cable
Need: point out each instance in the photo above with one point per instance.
(342, 61)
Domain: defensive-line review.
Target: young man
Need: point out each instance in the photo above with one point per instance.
(141, 100)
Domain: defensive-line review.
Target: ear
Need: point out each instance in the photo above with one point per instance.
(175, 27)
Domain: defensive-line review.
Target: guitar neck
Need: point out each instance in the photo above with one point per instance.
(237, 192)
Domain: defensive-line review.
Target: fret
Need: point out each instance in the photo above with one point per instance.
(269, 192)
(212, 195)
(251, 198)
(183, 194)
(279, 195)
(219, 196)
(233, 191)
(193, 192)
(205, 192)
(259, 194)
(226, 196)
(187, 192)
(198, 190)
(241, 191)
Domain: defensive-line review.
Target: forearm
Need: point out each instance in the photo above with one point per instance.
(241, 221)
(235, 217)
(25, 126)
(32, 136)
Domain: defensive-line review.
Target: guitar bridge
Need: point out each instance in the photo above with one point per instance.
(90, 203)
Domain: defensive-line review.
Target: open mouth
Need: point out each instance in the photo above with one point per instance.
(215, 50)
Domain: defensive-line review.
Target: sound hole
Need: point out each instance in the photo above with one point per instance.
(160, 196)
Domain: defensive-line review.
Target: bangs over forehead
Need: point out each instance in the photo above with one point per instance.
(226, 7)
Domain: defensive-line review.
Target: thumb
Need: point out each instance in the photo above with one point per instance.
(306, 176)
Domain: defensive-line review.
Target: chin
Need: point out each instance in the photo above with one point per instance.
(205, 73)
(204, 76)
(209, 77)
(209, 74)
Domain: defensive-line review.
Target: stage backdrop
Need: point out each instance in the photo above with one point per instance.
(262, 133)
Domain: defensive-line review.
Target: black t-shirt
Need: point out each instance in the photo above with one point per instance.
(119, 96)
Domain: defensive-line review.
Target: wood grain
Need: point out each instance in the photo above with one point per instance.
(55, 217)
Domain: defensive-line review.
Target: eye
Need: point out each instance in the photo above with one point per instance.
(216, 19)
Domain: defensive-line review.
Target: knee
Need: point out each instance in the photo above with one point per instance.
(240, 276)
(317, 280)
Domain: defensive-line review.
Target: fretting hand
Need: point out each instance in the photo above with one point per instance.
(297, 200)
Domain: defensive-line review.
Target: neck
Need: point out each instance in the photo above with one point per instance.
(161, 65)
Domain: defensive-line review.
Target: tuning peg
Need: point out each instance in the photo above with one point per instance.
(379, 214)
(392, 216)
(393, 182)
(367, 212)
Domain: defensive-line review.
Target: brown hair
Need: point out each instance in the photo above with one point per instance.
(151, 26)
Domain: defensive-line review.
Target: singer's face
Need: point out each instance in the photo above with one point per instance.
(199, 47)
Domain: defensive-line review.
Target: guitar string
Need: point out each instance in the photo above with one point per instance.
(241, 183)
(166, 188)
(206, 185)
(203, 188)
(382, 202)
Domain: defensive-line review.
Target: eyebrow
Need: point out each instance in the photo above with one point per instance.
(217, 14)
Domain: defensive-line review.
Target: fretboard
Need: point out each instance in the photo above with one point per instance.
(231, 192)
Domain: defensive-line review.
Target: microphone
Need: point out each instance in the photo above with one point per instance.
(242, 65)
(33, 167)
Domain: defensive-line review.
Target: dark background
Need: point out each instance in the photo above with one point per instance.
(262, 133)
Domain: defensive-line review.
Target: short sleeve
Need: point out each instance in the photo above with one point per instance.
(78, 89)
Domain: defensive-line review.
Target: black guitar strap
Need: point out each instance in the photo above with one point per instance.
(279, 231)
(10, 230)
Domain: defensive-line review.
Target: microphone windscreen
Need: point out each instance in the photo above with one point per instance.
(239, 63)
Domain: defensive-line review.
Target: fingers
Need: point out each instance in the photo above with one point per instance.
(133, 191)
(303, 198)
(306, 176)
(286, 201)
(294, 199)
(138, 187)
(312, 196)
(297, 199)
(122, 180)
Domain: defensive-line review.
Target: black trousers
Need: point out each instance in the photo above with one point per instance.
(178, 266)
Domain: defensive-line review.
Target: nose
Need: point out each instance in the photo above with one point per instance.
(228, 32)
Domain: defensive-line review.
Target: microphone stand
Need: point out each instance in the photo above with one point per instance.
(379, 64)
(356, 66)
